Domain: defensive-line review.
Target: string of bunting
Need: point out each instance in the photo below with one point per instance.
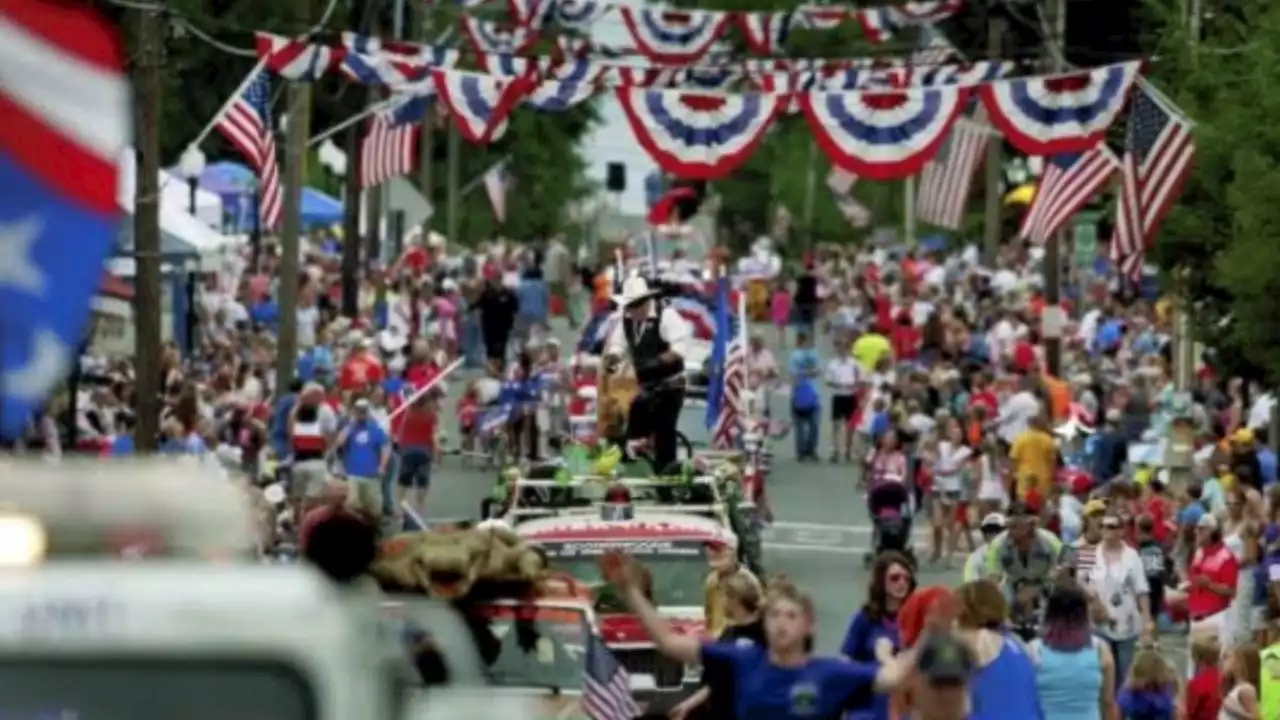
(875, 123)
(689, 33)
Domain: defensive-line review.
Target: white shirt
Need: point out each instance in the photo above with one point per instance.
(308, 319)
(672, 328)
(842, 375)
(1118, 584)
(1016, 415)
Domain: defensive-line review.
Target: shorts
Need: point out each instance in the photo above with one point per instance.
(415, 469)
(308, 479)
(842, 407)
(364, 495)
(947, 496)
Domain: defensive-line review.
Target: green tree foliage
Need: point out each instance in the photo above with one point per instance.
(198, 77)
(1219, 240)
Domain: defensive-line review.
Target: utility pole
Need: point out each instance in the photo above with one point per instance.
(454, 197)
(146, 229)
(427, 135)
(358, 17)
(1053, 318)
(992, 223)
(295, 159)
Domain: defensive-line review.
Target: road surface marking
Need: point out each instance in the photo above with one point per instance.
(817, 548)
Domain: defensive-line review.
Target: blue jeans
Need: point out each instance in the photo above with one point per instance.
(1123, 652)
(389, 484)
(804, 425)
(415, 468)
(472, 342)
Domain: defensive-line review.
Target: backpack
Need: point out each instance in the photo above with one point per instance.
(804, 397)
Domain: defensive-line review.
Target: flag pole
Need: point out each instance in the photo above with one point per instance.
(231, 99)
(335, 129)
(909, 211)
(750, 393)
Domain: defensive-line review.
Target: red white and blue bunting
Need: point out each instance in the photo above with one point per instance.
(673, 36)
(490, 37)
(1062, 113)
(577, 15)
(698, 136)
(298, 59)
(479, 103)
(882, 135)
(765, 32)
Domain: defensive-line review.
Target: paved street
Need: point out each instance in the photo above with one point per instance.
(818, 540)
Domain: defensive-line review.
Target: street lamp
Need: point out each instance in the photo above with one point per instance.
(332, 159)
(191, 164)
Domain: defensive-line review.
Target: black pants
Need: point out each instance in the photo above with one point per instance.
(655, 414)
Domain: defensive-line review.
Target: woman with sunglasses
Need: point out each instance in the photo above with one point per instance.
(779, 681)
(872, 636)
(1120, 596)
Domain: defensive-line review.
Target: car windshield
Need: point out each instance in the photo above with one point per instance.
(532, 646)
(125, 688)
(679, 568)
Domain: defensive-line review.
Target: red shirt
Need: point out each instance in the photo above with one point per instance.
(1158, 509)
(906, 341)
(986, 399)
(359, 372)
(418, 376)
(1204, 695)
(415, 428)
(1024, 356)
(1216, 564)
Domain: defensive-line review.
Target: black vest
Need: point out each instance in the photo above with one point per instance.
(644, 340)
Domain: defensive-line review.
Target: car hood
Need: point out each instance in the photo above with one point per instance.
(625, 628)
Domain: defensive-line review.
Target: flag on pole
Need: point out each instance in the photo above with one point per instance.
(841, 185)
(496, 183)
(1159, 149)
(728, 373)
(390, 144)
(947, 179)
(606, 685)
(247, 125)
(1069, 181)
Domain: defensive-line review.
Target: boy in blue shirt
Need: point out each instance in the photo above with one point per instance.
(365, 449)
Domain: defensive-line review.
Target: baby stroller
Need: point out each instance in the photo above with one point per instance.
(888, 504)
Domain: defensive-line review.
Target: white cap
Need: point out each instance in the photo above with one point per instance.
(994, 519)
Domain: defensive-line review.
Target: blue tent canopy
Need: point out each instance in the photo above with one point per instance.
(235, 183)
(319, 209)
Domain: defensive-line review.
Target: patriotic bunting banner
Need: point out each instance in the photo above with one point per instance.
(478, 103)
(299, 59)
(491, 37)
(578, 15)
(788, 84)
(566, 91)
(1059, 114)
(698, 136)
(764, 32)
(673, 36)
(882, 136)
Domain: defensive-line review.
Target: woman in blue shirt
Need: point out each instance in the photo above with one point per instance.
(780, 681)
(872, 636)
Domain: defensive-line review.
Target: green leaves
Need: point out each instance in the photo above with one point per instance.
(1222, 230)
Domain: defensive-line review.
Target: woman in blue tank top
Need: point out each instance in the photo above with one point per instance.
(1075, 673)
(1003, 684)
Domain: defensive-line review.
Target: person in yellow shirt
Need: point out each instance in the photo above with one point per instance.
(869, 349)
(1034, 456)
(722, 557)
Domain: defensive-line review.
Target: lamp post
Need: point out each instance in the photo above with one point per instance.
(192, 164)
(334, 162)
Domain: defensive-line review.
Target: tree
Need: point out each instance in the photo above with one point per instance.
(1219, 240)
(199, 77)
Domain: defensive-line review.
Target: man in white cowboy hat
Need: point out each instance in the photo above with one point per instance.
(652, 335)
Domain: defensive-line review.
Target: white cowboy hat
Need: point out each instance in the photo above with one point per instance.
(634, 290)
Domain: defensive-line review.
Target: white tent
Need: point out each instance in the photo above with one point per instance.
(175, 218)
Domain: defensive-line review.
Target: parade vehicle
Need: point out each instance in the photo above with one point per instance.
(130, 590)
(585, 495)
(670, 545)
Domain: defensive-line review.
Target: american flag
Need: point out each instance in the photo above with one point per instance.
(1159, 148)
(725, 431)
(943, 194)
(841, 184)
(606, 686)
(1069, 181)
(390, 144)
(496, 182)
(247, 126)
